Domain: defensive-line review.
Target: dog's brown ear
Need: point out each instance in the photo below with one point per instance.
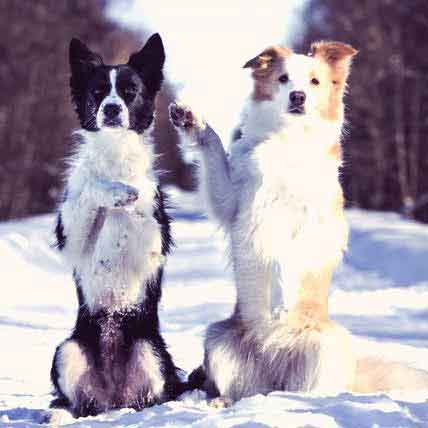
(332, 52)
(264, 62)
(336, 54)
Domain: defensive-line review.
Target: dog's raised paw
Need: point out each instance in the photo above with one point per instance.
(184, 118)
(181, 116)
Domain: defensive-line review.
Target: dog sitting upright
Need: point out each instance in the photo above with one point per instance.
(279, 199)
(113, 229)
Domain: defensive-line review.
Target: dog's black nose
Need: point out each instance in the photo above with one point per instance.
(297, 98)
(112, 110)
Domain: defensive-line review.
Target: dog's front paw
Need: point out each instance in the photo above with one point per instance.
(183, 118)
(220, 402)
(56, 417)
(143, 400)
(123, 194)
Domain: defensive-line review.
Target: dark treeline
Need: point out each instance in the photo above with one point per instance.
(36, 116)
(386, 149)
(387, 146)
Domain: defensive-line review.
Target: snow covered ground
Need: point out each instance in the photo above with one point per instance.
(380, 293)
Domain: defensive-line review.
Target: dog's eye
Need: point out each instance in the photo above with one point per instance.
(130, 91)
(315, 81)
(283, 78)
(99, 91)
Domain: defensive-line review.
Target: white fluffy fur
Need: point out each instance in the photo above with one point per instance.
(118, 259)
(145, 369)
(281, 185)
(285, 188)
(72, 366)
(243, 360)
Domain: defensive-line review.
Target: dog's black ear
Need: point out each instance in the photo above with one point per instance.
(82, 63)
(149, 61)
(152, 55)
(82, 60)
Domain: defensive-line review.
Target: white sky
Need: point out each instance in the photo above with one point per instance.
(207, 43)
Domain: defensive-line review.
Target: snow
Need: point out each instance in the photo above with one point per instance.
(380, 293)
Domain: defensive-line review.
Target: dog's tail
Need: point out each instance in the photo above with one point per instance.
(197, 378)
(377, 375)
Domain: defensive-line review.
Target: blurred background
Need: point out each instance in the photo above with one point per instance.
(386, 144)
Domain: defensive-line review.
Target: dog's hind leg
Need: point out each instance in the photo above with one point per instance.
(56, 416)
(214, 171)
(145, 381)
(328, 346)
(231, 362)
(198, 380)
(336, 359)
(74, 384)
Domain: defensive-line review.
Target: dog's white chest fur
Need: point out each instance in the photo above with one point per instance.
(113, 250)
(287, 187)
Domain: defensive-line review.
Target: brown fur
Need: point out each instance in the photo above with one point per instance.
(266, 69)
(332, 71)
(336, 152)
(337, 55)
(313, 297)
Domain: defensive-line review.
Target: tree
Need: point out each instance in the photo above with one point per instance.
(386, 155)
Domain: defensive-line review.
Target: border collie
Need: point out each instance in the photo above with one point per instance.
(278, 198)
(113, 229)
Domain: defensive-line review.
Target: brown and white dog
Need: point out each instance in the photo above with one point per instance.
(279, 200)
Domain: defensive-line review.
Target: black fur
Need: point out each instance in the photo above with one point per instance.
(197, 378)
(148, 63)
(61, 239)
(138, 83)
(237, 134)
(163, 218)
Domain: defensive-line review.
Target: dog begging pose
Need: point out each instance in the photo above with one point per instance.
(113, 229)
(279, 199)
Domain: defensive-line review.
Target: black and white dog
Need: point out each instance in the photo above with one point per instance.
(113, 228)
